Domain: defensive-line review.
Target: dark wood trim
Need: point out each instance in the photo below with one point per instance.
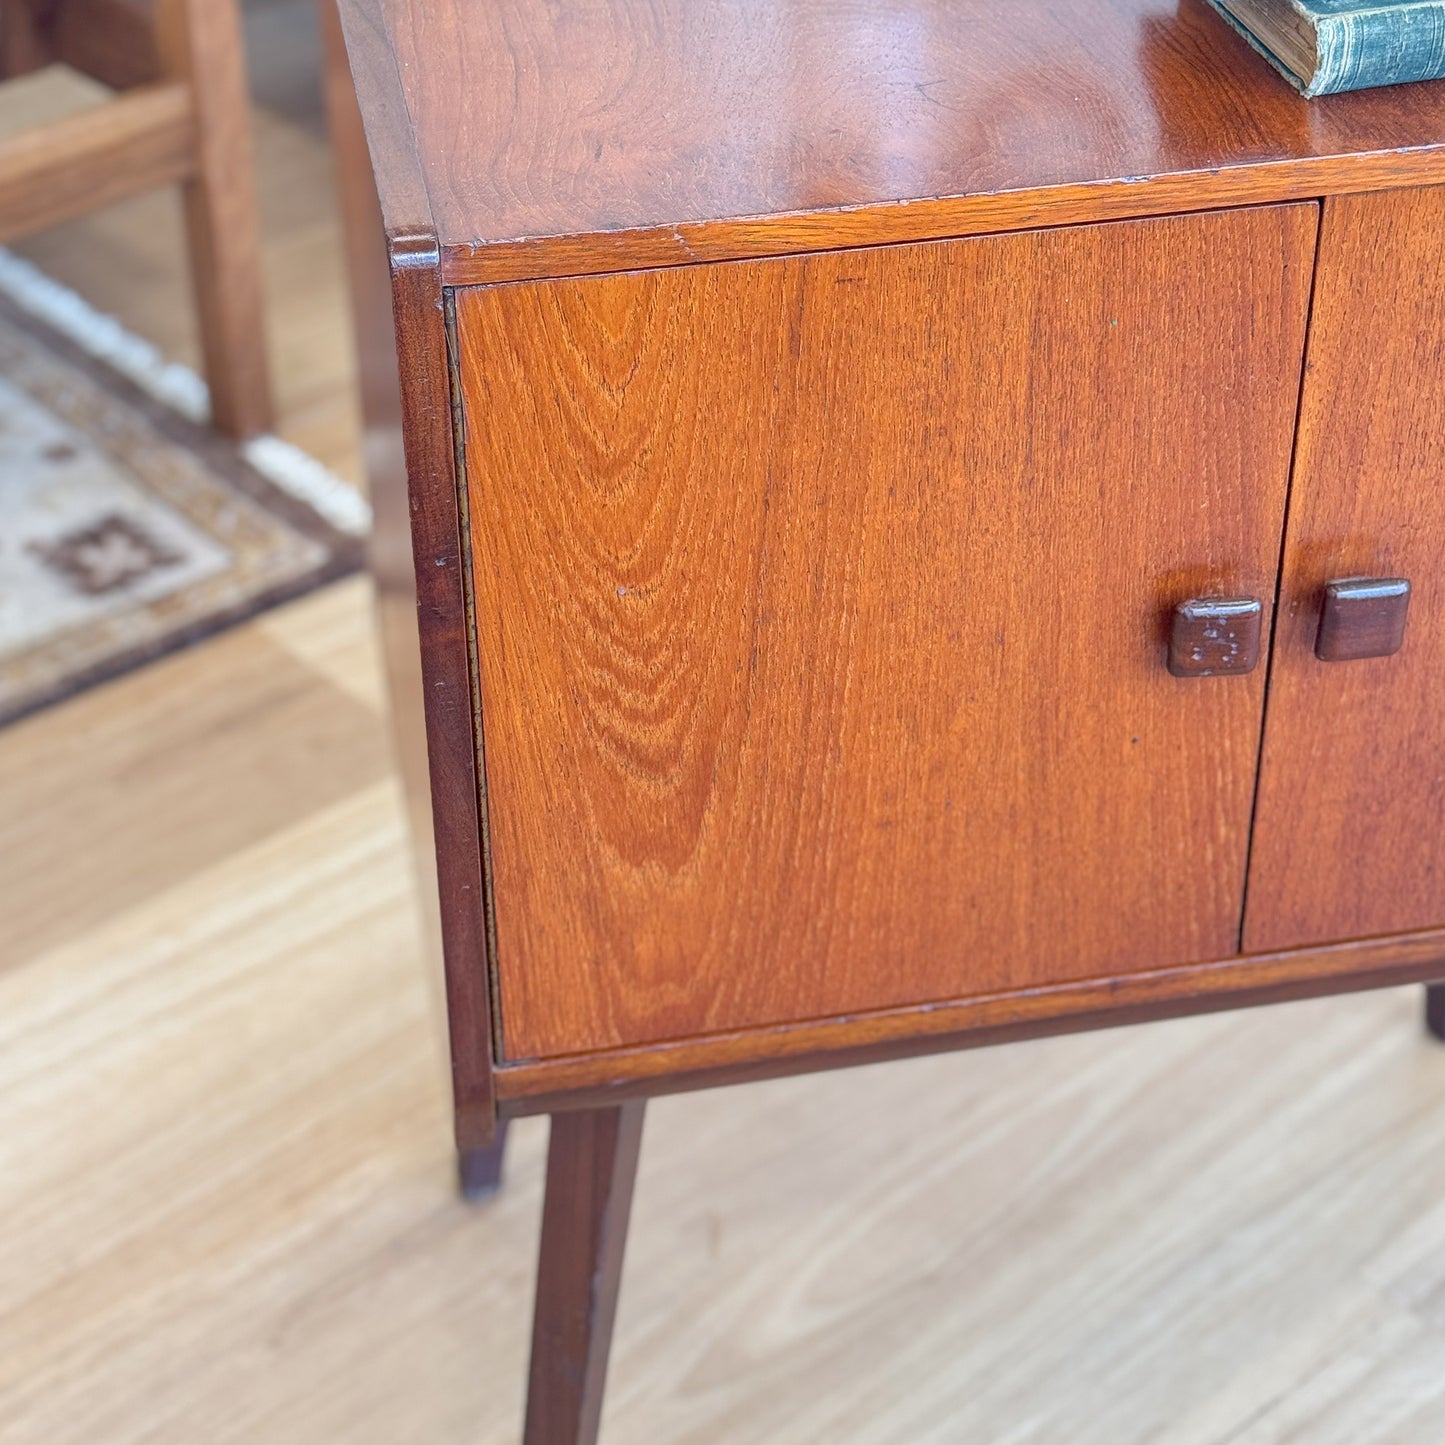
(582, 1081)
(417, 549)
(453, 746)
(946, 218)
(591, 1167)
(390, 137)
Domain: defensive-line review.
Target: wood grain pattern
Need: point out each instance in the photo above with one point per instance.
(398, 182)
(980, 215)
(1348, 837)
(1162, 1234)
(585, 1080)
(417, 541)
(822, 607)
(1226, 1228)
(94, 158)
(623, 133)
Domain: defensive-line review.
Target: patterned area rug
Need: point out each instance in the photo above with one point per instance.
(127, 528)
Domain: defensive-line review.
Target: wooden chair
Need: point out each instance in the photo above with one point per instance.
(180, 118)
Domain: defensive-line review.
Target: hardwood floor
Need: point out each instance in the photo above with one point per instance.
(226, 1183)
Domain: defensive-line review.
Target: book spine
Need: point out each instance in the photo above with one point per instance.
(1380, 47)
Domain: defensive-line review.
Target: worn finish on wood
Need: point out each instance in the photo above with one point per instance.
(585, 1080)
(399, 186)
(789, 710)
(66, 168)
(1348, 837)
(407, 398)
(620, 133)
(980, 215)
(1363, 617)
(1215, 636)
(591, 1167)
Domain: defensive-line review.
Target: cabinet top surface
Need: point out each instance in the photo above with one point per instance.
(646, 125)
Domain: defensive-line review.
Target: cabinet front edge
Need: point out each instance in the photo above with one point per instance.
(585, 1080)
(943, 218)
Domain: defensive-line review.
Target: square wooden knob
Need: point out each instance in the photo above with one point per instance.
(1215, 636)
(1363, 617)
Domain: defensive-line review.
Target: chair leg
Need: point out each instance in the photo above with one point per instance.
(1435, 1010)
(200, 42)
(479, 1171)
(591, 1165)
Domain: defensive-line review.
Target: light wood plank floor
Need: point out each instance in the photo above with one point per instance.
(225, 1197)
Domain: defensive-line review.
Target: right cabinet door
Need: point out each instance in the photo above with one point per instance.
(1349, 835)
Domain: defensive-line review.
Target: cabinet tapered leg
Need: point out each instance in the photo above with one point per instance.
(1435, 1009)
(591, 1166)
(479, 1171)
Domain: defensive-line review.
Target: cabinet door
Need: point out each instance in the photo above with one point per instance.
(1350, 838)
(820, 611)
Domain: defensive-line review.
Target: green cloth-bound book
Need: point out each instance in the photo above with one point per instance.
(1325, 46)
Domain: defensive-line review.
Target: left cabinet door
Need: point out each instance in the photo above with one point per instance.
(821, 608)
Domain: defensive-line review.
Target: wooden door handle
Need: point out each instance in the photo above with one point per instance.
(1215, 636)
(1362, 617)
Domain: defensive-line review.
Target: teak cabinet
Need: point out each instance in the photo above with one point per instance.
(895, 547)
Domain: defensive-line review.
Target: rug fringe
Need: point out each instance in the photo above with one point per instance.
(286, 466)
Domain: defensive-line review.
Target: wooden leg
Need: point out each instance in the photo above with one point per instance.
(200, 42)
(1435, 1009)
(591, 1165)
(479, 1171)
